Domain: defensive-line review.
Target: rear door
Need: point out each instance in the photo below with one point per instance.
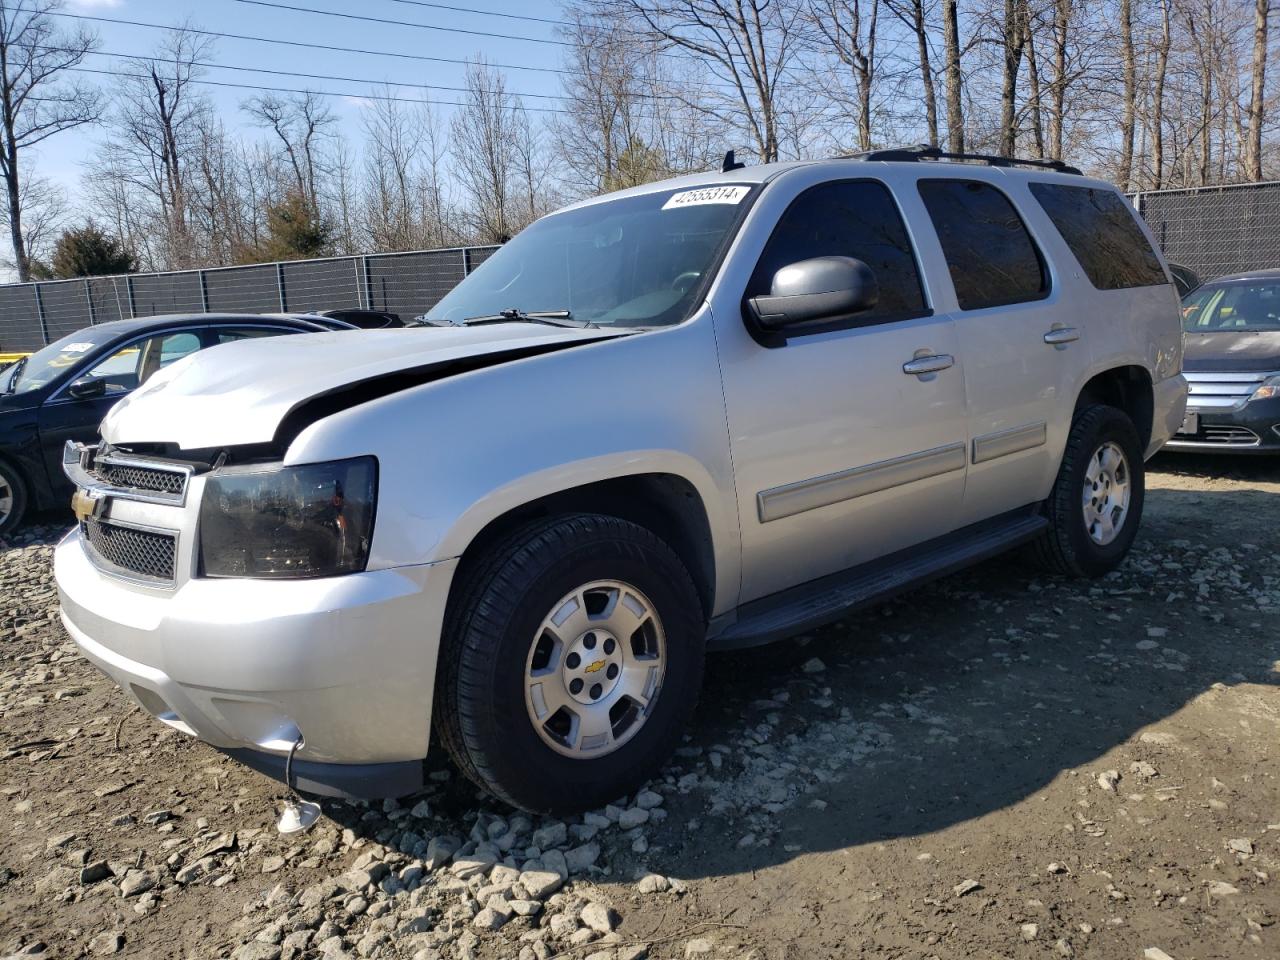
(1024, 354)
(840, 455)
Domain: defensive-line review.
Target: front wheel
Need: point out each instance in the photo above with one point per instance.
(1096, 503)
(571, 663)
(13, 498)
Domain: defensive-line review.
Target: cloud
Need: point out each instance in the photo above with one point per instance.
(361, 103)
(82, 6)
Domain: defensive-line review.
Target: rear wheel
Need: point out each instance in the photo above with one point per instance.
(571, 663)
(1096, 503)
(13, 498)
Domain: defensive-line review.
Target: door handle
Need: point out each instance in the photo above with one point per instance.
(932, 364)
(1060, 335)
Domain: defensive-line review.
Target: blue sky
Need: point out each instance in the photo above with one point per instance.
(63, 157)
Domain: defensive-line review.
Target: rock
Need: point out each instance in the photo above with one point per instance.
(1155, 953)
(489, 919)
(634, 951)
(1057, 867)
(653, 883)
(256, 951)
(439, 850)
(697, 948)
(633, 817)
(526, 908)
(598, 917)
(966, 887)
(421, 810)
(1062, 947)
(1108, 779)
(1143, 769)
(563, 925)
(1030, 931)
(1241, 845)
(472, 866)
(107, 943)
(814, 665)
(1158, 737)
(583, 935)
(94, 872)
(552, 835)
(1145, 645)
(196, 871)
(136, 882)
(541, 883)
(272, 864)
(157, 817)
(1220, 888)
(602, 955)
(580, 858)
(647, 800)
(554, 860)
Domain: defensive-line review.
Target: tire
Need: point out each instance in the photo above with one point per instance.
(1073, 545)
(503, 659)
(13, 498)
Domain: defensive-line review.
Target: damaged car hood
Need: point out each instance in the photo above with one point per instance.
(1232, 351)
(245, 392)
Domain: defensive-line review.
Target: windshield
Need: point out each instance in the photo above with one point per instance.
(1238, 307)
(634, 261)
(47, 365)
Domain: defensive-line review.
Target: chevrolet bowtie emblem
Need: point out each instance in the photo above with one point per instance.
(598, 665)
(86, 505)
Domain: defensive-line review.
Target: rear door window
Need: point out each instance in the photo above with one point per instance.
(990, 255)
(849, 218)
(1103, 235)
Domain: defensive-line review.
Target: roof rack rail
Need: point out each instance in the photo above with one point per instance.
(925, 151)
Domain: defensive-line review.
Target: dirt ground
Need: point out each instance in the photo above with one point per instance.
(1001, 765)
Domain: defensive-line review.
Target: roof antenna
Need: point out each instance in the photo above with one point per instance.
(730, 163)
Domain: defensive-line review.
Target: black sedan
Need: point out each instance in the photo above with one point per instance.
(1232, 364)
(62, 392)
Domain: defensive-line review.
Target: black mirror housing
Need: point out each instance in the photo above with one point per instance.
(88, 389)
(822, 288)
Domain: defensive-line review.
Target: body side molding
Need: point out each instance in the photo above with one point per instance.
(792, 498)
(1004, 442)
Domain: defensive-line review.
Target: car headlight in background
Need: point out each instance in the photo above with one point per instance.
(314, 520)
(1269, 388)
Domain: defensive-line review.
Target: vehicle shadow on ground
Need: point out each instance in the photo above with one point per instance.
(980, 689)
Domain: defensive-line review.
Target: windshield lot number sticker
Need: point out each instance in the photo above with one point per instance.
(694, 198)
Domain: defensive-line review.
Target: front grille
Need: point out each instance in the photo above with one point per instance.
(130, 476)
(1221, 391)
(1227, 434)
(141, 553)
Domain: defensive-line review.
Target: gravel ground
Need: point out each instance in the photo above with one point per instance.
(1003, 764)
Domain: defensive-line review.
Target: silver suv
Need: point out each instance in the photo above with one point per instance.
(695, 415)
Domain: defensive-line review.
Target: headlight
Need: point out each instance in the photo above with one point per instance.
(314, 520)
(1269, 388)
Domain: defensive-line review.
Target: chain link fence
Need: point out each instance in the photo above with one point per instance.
(1216, 230)
(34, 314)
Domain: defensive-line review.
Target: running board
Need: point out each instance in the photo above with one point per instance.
(829, 598)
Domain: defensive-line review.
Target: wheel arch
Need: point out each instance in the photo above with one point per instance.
(667, 504)
(1127, 387)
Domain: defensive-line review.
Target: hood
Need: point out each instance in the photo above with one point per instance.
(267, 389)
(1224, 351)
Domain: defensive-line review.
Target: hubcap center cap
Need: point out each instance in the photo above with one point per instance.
(592, 666)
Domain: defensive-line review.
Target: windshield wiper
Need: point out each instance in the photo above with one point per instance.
(514, 315)
(15, 375)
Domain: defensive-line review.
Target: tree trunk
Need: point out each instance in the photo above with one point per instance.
(1157, 98)
(13, 198)
(955, 112)
(1130, 95)
(1253, 149)
(926, 71)
(1058, 89)
(1033, 82)
(1013, 41)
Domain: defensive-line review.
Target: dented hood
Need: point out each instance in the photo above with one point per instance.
(242, 392)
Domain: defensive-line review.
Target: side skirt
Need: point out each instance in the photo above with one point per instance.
(821, 601)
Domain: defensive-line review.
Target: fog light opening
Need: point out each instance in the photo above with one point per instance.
(298, 815)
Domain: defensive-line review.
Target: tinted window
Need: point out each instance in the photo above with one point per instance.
(849, 219)
(130, 366)
(1242, 307)
(1100, 230)
(232, 334)
(991, 257)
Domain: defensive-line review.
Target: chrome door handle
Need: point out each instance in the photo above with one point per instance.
(1062, 335)
(928, 364)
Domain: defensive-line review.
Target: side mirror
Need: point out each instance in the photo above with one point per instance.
(89, 388)
(823, 288)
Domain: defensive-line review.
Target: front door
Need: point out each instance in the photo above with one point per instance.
(66, 416)
(841, 452)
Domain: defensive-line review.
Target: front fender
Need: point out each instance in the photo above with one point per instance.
(458, 453)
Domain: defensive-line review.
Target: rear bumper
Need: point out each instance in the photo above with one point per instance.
(347, 663)
(1254, 427)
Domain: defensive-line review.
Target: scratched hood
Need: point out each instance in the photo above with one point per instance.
(1232, 351)
(242, 392)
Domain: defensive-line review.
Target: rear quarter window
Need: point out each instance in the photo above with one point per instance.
(1103, 235)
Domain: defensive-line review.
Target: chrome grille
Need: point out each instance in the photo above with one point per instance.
(1221, 391)
(139, 477)
(130, 551)
(1227, 434)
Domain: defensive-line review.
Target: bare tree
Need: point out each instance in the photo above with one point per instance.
(1013, 36)
(482, 133)
(1129, 94)
(913, 14)
(303, 125)
(45, 211)
(37, 99)
(748, 45)
(1257, 90)
(847, 29)
(954, 82)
